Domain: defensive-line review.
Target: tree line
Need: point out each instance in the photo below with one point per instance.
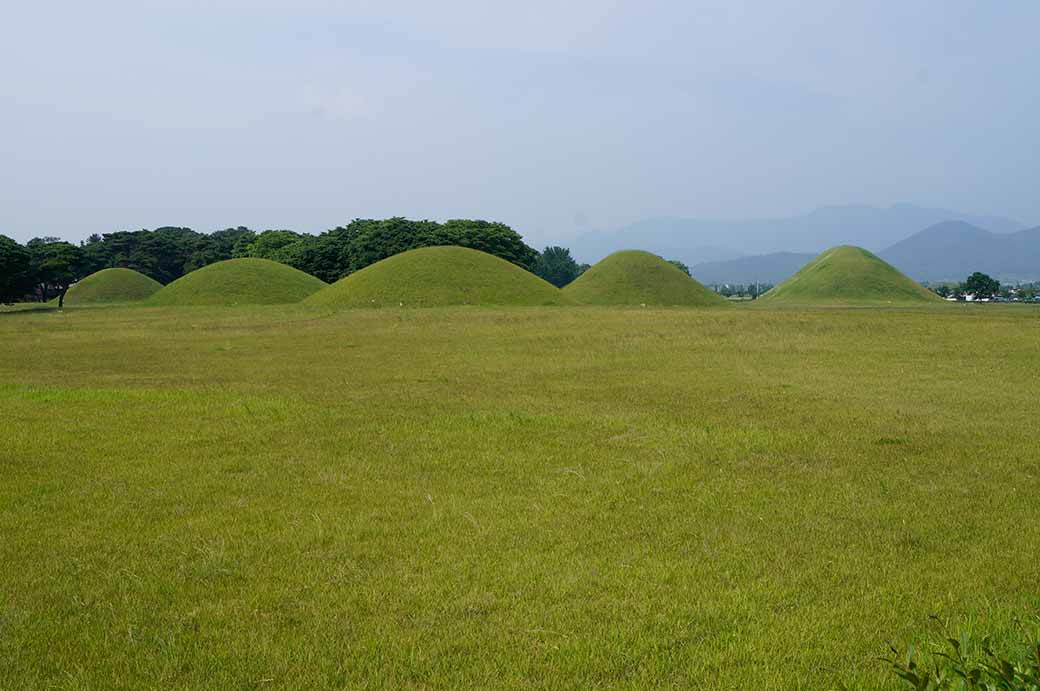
(45, 267)
(982, 286)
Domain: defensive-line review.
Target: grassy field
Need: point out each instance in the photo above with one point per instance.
(543, 497)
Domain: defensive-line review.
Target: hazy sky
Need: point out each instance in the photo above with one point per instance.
(552, 117)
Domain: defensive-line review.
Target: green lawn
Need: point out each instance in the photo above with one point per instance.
(539, 497)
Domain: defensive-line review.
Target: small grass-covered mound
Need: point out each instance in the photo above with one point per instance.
(245, 281)
(112, 285)
(634, 277)
(433, 276)
(848, 275)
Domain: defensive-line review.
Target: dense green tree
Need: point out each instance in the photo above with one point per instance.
(168, 253)
(164, 254)
(320, 256)
(491, 237)
(178, 250)
(981, 286)
(366, 241)
(334, 252)
(95, 254)
(267, 244)
(557, 266)
(55, 266)
(221, 245)
(16, 277)
(327, 256)
(370, 240)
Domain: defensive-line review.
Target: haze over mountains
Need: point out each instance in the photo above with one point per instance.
(759, 268)
(928, 244)
(951, 251)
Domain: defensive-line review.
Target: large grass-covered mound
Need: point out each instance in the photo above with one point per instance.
(848, 275)
(245, 281)
(433, 276)
(112, 285)
(634, 277)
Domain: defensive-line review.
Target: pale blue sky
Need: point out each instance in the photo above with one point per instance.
(270, 113)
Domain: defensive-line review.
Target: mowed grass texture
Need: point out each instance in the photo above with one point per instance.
(634, 277)
(530, 497)
(246, 281)
(848, 275)
(112, 285)
(439, 276)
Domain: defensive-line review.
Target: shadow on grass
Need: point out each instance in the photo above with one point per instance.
(26, 308)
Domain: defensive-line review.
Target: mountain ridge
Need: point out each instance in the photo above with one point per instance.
(952, 250)
(697, 241)
(758, 268)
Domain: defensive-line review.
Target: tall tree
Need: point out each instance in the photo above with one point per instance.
(327, 256)
(371, 240)
(557, 266)
(267, 244)
(220, 245)
(56, 265)
(491, 237)
(168, 253)
(95, 254)
(16, 278)
(981, 286)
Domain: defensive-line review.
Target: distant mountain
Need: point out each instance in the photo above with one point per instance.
(951, 251)
(696, 241)
(947, 251)
(762, 268)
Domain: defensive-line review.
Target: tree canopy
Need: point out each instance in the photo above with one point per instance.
(557, 266)
(16, 275)
(55, 265)
(47, 266)
(267, 244)
(345, 249)
(981, 286)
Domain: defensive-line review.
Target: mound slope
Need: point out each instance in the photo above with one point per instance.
(848, 275)
(432, 276)
(245, 281)
(112, 285)
(634, 277)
